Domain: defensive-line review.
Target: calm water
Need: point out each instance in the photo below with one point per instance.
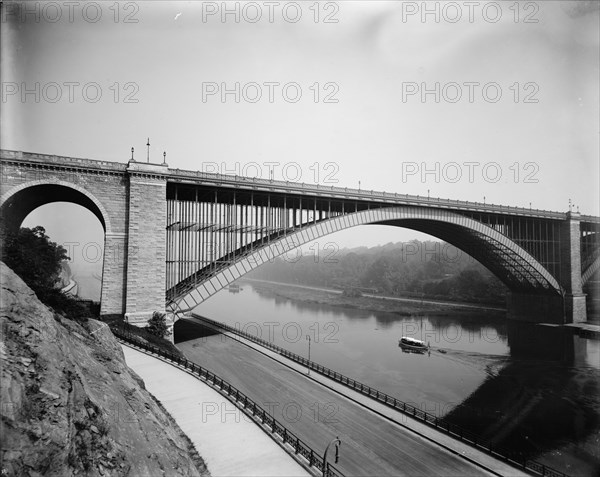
(533, 390)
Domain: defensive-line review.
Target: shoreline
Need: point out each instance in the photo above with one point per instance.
(373, 303)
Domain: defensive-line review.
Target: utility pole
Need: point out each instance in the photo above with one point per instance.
(308, 338)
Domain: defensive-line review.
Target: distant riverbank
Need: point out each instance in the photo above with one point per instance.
(400, 306)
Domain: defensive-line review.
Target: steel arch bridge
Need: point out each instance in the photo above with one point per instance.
(191, 234)
(518, 269)
(216, 235)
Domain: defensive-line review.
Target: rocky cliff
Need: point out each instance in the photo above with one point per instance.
(71, 406)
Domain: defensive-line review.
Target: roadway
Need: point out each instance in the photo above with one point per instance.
(371, 443)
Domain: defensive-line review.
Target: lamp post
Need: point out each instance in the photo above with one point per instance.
(308, 366)
(337, 443)
(148, 144)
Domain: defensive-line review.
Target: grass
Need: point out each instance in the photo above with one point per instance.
(117, 322)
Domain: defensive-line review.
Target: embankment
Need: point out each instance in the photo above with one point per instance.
(71, 405)
(399, 306)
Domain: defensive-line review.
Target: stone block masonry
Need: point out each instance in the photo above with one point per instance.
(146, 250)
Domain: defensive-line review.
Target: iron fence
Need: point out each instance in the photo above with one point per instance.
(243, 402)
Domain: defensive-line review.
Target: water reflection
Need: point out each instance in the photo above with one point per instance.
(548, 342)
(532, 389)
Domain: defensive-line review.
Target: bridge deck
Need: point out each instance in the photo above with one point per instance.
(273, 186)
(372, 444)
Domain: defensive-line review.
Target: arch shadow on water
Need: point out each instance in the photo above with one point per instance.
(544, 404)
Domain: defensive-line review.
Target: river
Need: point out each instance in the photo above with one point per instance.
(533, 390)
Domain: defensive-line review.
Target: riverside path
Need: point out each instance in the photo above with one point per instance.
(372, 444)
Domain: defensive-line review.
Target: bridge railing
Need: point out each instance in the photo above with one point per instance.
(351, 193)
(432, 420)
(238, 398)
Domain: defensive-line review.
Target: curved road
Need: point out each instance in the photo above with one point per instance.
(371, 444)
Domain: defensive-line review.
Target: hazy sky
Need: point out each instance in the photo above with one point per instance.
(512, 112)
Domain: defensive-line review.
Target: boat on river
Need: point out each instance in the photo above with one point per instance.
(412, 344)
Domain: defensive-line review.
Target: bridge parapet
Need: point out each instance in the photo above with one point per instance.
(61, 161)
(347, 193)
(276, 186)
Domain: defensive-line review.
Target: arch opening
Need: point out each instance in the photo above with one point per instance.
(506, 259)
(504, 262)
(80, 233)
(72, 218)
(15, 208)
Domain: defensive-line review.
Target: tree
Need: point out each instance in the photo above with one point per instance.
(35, 258)
(157, 325)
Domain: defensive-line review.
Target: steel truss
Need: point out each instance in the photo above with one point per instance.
(210, 228)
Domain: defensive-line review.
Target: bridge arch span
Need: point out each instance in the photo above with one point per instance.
(23, 199)
(512, 264)
(590, 271)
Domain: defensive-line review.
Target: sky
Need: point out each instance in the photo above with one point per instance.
(497, 101)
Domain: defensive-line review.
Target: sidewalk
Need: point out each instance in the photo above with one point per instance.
(228, 442)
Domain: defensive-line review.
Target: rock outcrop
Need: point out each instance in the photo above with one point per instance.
(70, 404)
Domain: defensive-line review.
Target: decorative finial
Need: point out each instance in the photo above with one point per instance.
(148, 144)
(132, 159)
